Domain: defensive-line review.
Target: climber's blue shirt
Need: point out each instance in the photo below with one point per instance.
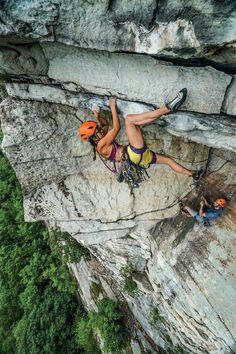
(210, 214)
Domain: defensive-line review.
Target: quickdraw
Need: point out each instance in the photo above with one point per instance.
(131, 174)
(126, 171)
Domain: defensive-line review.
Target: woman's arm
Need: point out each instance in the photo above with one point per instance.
(205, 202)
(108, 139)
(102, 121)
(115, 117)
(201, 212)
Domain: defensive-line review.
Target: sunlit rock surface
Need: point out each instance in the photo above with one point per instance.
(180, 268)
(143, 53)
(105, 74)
(167, 28)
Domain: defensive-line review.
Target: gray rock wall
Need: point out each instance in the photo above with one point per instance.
(143, 229)
(166, 28)
(58, 59)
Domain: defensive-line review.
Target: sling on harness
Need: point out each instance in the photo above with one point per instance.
(126, 171)
(131, 173)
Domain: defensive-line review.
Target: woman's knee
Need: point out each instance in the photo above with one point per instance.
(128, 119)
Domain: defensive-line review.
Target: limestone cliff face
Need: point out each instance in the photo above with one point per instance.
(173, 29)
(100, 48)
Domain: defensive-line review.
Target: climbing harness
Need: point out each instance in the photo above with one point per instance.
(126, 171)
(131, 173)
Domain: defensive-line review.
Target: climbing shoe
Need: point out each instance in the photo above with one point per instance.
(197, 175)
(179, 99)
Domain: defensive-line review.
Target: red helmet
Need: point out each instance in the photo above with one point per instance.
(221, 202)
(87, 129)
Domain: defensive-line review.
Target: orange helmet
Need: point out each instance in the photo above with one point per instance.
(221, 202)
(87, 129)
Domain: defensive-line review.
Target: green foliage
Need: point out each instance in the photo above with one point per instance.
(108, 322)
(45, 326)
(176, 350)
(37, 293)
(85, 337)
(109, 308)
(63, 243)
(96, 290)
(129, 286)
(155, 318)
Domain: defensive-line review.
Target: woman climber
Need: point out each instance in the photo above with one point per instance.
(137, 151)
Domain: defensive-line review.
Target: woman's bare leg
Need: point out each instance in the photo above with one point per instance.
(162, 159)
(135, 136)
(147, 117)
(133, 122)
(185, 211)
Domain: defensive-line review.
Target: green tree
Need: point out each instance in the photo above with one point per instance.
(85, 336)
(45, 326)
(38, 306)
(129, 285)
(108, 322)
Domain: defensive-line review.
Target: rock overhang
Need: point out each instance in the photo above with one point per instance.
(146, 27)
